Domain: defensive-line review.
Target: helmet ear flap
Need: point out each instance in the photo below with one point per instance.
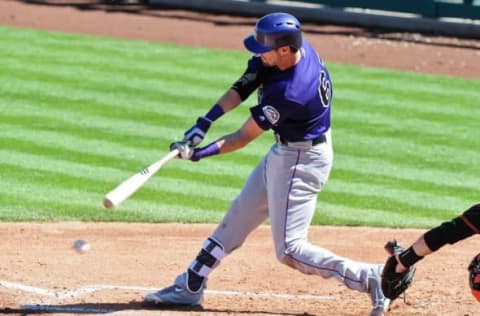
(474, 276)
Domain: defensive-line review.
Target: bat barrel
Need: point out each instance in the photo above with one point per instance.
(132, 184)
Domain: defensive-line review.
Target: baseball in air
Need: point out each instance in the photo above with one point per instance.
(81, 246)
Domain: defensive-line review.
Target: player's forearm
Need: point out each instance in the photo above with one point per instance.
(231, 142)
(420, 247)
(234, 141)
(223, 145)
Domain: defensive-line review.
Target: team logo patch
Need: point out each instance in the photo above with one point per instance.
(271, 114)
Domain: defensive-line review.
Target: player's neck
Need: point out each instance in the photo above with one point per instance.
(289, 60)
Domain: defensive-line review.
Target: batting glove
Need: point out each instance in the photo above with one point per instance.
(184, 149)
(196, 134)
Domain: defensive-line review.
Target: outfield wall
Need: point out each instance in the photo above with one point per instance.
(322, 14)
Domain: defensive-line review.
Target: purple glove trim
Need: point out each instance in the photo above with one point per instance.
(215, 112)
(209, 150)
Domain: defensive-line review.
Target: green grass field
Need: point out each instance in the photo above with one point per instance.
(79, 114)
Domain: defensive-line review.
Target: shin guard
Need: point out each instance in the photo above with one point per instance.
(207, 259)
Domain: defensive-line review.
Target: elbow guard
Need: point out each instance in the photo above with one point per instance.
(246, 84)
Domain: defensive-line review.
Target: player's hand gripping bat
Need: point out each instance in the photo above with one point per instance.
(132, 184)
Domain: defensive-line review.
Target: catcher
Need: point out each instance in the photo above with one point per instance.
(399, 269)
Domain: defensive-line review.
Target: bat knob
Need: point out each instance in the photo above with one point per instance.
(107, 203)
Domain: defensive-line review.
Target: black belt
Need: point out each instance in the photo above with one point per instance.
(319, 140)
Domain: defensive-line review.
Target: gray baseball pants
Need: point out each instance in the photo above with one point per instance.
(283, 188)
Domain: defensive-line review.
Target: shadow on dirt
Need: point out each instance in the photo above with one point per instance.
(107, 308)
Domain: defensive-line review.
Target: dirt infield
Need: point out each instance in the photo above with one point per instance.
(41, 273)
(40, 270)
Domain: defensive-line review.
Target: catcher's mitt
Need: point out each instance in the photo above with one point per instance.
(393, 283)
(474, 276)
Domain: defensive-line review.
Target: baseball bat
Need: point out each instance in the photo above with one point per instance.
(129, 186)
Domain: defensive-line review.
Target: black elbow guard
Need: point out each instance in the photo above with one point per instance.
(246, 84)
(455, 230)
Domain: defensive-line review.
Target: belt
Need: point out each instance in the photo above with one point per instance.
(315, 141)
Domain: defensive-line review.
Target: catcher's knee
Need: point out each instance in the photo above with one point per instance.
(455, 230)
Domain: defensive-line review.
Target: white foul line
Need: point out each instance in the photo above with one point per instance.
(27, 288)
(94, 288)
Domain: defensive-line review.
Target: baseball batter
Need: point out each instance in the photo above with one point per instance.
(294, 101)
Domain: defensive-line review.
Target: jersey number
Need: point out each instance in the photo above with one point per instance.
(325, 89)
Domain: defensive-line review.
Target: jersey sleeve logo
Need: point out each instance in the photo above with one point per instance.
(271, 113)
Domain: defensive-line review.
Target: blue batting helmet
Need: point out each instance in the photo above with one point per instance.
(274, 30)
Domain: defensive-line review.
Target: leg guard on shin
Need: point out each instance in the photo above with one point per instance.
(455, 230)
(207, 259)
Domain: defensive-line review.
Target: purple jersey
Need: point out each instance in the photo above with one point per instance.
(295, 103)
